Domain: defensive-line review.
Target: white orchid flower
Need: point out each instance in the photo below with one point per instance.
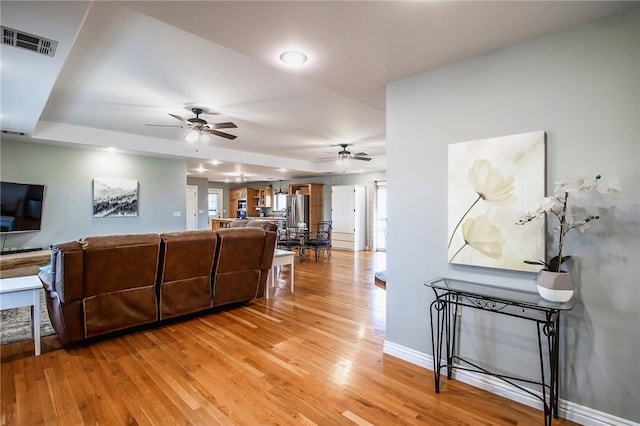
(586, 185)
(611, 185)
(484, 236)
(489, 183)
(559, 189)
(581, 187)
(546, 205)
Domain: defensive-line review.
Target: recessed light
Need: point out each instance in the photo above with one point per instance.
(293, 57)
(214, 162)
(201, 169)
(112, 150)
(282, 170)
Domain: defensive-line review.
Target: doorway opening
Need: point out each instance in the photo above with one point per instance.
(380, 216)
(214, 203)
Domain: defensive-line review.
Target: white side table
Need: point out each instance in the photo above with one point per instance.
(280, 257)
(23, 291)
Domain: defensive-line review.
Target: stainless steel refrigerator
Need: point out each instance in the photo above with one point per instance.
(297, 210)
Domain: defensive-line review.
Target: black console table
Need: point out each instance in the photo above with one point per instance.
(452, 294)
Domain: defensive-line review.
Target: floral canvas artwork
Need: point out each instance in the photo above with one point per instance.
(491, 182)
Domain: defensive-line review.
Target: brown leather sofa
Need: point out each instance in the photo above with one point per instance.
(101, 285)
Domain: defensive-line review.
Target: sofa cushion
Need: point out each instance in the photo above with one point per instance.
(264, 224)
(119, 262)
(187, 263)
(238, 223)
(238, 265)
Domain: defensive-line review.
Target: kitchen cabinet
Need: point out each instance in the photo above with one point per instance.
(237, 202)
(264, 197)
(249, 200)
(348, 217)
(252, 202)
(315, 191)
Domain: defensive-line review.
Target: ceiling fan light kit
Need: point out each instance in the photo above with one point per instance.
(196, 135)
(199, 128)
(192, 136)
(344, 157)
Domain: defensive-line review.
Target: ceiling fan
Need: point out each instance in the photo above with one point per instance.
(344, 154)
(200, 125)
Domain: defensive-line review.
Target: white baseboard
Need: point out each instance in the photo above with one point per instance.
(566, 409)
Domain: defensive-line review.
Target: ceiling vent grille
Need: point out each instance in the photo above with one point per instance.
(29, 41)
(12, 132)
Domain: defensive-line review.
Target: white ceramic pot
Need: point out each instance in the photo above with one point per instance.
(555, 286)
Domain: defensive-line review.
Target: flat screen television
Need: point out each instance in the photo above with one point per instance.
(20, 207)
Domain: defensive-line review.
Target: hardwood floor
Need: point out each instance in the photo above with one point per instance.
(311, 358)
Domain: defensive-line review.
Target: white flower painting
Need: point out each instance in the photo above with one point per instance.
(115, 198)
(491, 182)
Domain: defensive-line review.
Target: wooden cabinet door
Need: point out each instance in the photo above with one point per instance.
(316, 205)
(233, 203)
(252, 202)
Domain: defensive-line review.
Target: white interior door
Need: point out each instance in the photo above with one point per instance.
(342, 206)
(192, 208)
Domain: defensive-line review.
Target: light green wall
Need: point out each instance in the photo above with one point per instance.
(582, 87)
(68, 174)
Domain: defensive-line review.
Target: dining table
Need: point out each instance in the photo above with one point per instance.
(302, 234)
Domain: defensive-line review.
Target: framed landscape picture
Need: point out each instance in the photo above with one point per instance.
(115, 197)
(491, 184)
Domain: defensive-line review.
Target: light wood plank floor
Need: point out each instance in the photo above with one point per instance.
(311, 358)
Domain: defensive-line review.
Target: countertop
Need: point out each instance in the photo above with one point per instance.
(223, 219)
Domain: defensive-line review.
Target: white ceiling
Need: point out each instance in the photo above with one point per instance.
(121, 65)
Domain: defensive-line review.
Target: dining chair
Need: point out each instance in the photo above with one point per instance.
(287, 240)
(322, 241)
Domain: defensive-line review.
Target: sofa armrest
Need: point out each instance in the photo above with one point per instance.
(269, 250)
(46, 278)
(67, 271)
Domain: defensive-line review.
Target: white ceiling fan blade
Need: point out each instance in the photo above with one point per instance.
(178, 117)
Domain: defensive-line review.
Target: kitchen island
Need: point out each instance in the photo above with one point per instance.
(217, 223)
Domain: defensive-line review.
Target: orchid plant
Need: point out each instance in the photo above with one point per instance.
(557, 206)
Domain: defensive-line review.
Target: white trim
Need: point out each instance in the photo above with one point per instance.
(567, 409)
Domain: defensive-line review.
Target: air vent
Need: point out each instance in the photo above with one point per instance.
(12, 132)
(28, 41)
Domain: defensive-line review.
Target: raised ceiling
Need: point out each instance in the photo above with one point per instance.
(121, 65)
